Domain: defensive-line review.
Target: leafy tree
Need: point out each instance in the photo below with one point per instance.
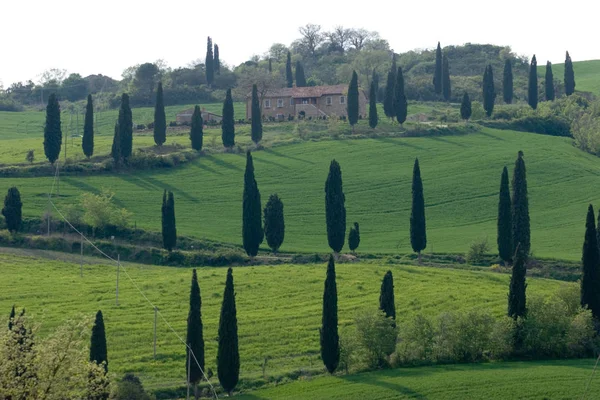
(569, 76)
(52, 130)
(400, 103)
(116, 145)
(228, 356)
(169, 230)
(489, 92)
(196, 131)
(228, 124)
(446, 89)
(438, 72)
(98, 352)
(388, 101)
(505, 239)
(274, 223)
(160, 120)
(387, 303)
(335, 210)
(532, 93)
(100, 211)
(353, 101)
(517, 302)
(375, 82)
(30, 157)
(330, 340)
(520, 208)
(549, 82)
(507, 82)
(418, 235)
(289, 76)
(12, 210)
(209, 64)
(125, 128)
(300, 78)
(257, 130)
(87, 142)
(378, 335)
(252, 231)
(130, 388)
(373, 118)
(590, 280)
(195, 338)
(465, 107)
(354, 237)
(217, 60)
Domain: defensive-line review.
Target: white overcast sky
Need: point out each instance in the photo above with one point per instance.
(107, 36)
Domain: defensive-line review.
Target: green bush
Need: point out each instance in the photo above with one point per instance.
(376, 335)
(477, 251)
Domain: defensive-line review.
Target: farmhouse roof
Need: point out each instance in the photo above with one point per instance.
(308, 91)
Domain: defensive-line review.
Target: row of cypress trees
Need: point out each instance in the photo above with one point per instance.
(395, 104)
(289, 74)
(441, 75)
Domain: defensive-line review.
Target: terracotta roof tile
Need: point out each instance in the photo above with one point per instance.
(308, 91)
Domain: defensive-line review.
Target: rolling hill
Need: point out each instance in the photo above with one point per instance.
(587, 75)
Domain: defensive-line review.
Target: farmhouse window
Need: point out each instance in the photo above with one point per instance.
(342, 100)
(267, 103)
(329, 100)
(279, 103)
(291, 101)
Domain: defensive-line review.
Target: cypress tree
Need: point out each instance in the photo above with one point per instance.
(300, 77)
(217, 60)
(590, 260)
(12, 210)
(289, 76)
(274, 223)
(209, 63)
(373, 118)
(228, 124)
(252, 231)
(532, 93)
(387, 304)
(87, 142)
(335, 210)
(569, 76)
(437, 75)
(505, 239)
(489, 92)
(195, 337)
(520, 208)
(125, 127)
(257, 130)
(375, 82)
(465, 107)
(228, 356)
(354, 237)
(196, 130)
(388, 100)
(517, 301)
(270, 66)
(549, 82)
(116, 145)
(11, 318)
(98, 352)
(446, 90)
(507, 82)
(160, 120)
(52, 130)
(400, 104)
(418, 235)
(169, 229)
(352, 99)
(330, 340)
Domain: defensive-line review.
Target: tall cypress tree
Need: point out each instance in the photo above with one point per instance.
(274, 223)
(195, 336)
(549, 82)
(590, 260)
(300, 77)
(52, 130)
(12, 210)
(505, 244)
(517, 301)
(400, 103)
(252, 231)
(217, 60)
(569, 76)
(209, 64)
(228, 355)
(257, 130)
(388, 100)
(437, 74)
(465, 107)
(335, 209)
(520, 208)
(11, 318)
(373, 117)
(387, 303)
(160, 120)
(87, 142)
(289, 76)
(125, 127)
(169, 229)
(354, 237)
(116, 145)
(446, 89)
(270, 66)
(228, 123)
(98, 352)
(418, 234)
(330, 340)
(532, 92)
(197, 129)
(489, 92)
(507, 82)
(352, 100)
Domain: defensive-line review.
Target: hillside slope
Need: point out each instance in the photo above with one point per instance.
(587, 75)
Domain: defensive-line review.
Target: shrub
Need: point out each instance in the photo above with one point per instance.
(100, 212)
(30, 157)
(377, 336)
(463, 337)
(477, 251)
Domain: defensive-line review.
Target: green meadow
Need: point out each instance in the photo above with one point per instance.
(586, 74)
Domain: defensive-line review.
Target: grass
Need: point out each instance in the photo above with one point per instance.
(511, 380)
(279, 308)
(586, 75)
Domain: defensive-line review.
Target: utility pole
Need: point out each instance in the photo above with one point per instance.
(155, 318)
(118, 268)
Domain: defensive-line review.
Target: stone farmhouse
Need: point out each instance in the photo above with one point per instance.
(310, 101)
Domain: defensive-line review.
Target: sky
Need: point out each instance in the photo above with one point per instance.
(105, 37)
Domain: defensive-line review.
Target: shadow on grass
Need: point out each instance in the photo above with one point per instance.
(222, 163)
(278, 154)
(79, 184)
(374, 379)
(440, 139)
(402, 143)
(151, 184)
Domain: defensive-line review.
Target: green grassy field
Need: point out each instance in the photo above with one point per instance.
(587, 78)
(512, 380)
(279, 307)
